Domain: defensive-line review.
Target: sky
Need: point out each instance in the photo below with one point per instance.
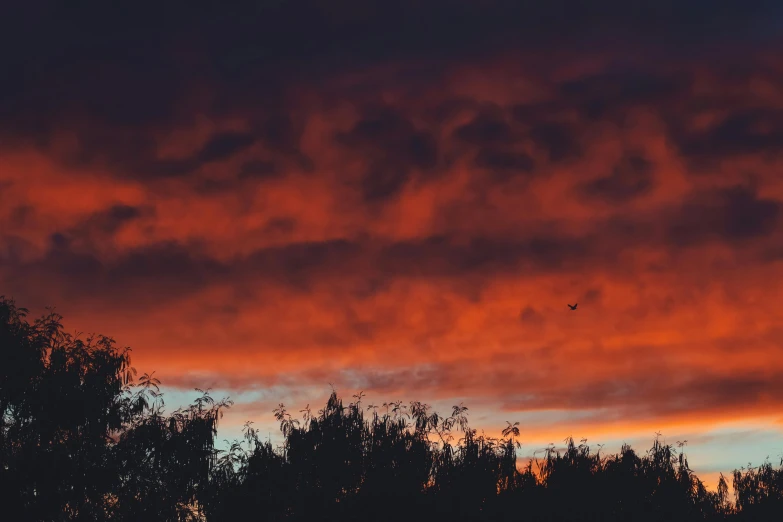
(273, 197)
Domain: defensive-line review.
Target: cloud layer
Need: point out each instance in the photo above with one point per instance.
(261, 196)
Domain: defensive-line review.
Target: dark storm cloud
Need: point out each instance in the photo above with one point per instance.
(558, 140)
(133, 153)
(446, 110)
(486, 257)
(486, 128)
(89, 59)
(224, 145)
(300, 264)
(166, 264)
(383, 182)
(505, 164)
(108, 221)
(126, 152)
(154, 273)
(611, 92)
(750, 131)
(175, 268)
(97, 227)
(392, 146)
(259, 169)
(279, 130)
(492, 132)
(499, 144)
(388, 134)
(434, 257)
(731, 214)
(632, 178)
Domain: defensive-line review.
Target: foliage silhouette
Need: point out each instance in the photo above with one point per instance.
(82, 438)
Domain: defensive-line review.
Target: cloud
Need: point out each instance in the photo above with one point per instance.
(224, 145)
(161, 268)
(632, 178)
(251, 51)
(530, 316)
(641, 396)
(155, 273)
(557, 140)
(505, 164)
(392, 147)
(109, 221)
(486, 128)
(608, 94)
(501, 148)
(732, 214)
(258, 169)
(284, 196)
(748, 131)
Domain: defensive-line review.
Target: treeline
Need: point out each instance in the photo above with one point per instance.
(82, 437)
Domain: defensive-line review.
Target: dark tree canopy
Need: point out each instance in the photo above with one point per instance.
(82, 438)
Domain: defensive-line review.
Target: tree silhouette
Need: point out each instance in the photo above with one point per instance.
(80, 440)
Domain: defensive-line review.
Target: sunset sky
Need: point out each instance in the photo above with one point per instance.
(402, 197)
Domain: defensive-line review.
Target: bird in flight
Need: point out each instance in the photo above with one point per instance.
(573, 306)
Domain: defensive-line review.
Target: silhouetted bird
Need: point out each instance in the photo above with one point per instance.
(573, 307)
